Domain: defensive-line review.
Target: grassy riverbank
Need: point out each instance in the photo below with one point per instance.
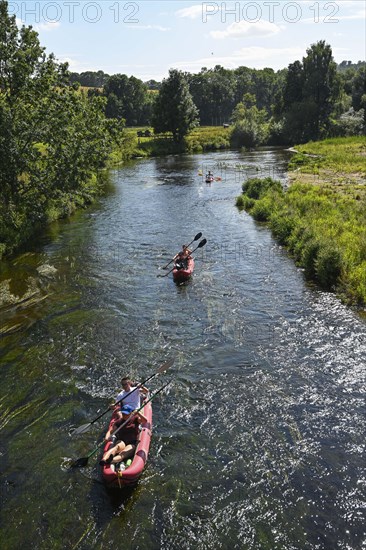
(321, 218)
(205, 138)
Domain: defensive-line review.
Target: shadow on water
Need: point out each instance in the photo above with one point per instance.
(109, 502)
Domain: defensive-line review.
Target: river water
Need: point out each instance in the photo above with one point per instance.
(258, 443)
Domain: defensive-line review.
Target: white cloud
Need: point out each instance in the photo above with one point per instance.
(243, 29)
(49, 26)
(150, 27)
(193, 12)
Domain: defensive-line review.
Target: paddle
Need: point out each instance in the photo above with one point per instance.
(81, 462)
(201, 244)
(85, 427)
(198, 236)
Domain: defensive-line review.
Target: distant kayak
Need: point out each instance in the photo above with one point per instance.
(209, 178)
(182, 272)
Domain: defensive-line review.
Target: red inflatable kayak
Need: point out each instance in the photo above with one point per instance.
(181, 274)
(128, 475)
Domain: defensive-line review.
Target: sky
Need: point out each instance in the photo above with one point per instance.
(146, 38)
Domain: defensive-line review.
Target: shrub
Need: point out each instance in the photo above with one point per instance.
(299, 238)
(256, 187)
(357, 286)
(261, 210)
(308, 258)
(282, 226)
(244, 202)
(328, 266)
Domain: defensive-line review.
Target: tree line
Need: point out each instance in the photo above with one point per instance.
(310, 99)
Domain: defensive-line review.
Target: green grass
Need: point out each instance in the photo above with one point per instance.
(208, 138)
(344, 155)
(205, 138)
(322, 222)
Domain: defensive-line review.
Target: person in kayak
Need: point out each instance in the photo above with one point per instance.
(130, 395)
(181, 259)
(127, 435)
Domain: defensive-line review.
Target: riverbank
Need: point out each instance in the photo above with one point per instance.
(17, 226)
(141, 142)
(321, 218)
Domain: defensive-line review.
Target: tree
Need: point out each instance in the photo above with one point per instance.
(312, 91)
(293, 92)
(128, 99)
(53, 138)
(359, 90)
(90, 79)
(321, 84)
(174, 110)
(264, 87)
(250, 127)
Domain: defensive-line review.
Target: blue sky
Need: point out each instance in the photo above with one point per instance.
(146, 38)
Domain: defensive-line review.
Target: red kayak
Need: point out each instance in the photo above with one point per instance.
(181, 273)
(125, 474)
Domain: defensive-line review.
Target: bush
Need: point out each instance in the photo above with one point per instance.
(350, 123)
(262, 209)
(244, 202)
(299, 239)
(328, 266)
(357, 284)
(308, 258)
(282, 226)
(255, 188)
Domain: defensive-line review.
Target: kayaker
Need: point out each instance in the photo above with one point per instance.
(127, 435)
(129, 395)
(183, 256)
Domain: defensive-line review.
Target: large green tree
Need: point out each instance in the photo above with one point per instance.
(53, 138)
(321, 84)
(311, 93)
(128, 98)
(174, 109)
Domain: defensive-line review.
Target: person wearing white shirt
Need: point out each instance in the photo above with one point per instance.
(131, 394)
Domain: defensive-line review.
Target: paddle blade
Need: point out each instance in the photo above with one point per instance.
(165, 275)
(202, 243)
(80, 462)
(166, 366)
(81, 429)
(198, 236)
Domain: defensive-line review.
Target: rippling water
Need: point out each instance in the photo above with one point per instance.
(260, 441)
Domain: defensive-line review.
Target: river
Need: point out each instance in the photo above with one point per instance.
(258, 443)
